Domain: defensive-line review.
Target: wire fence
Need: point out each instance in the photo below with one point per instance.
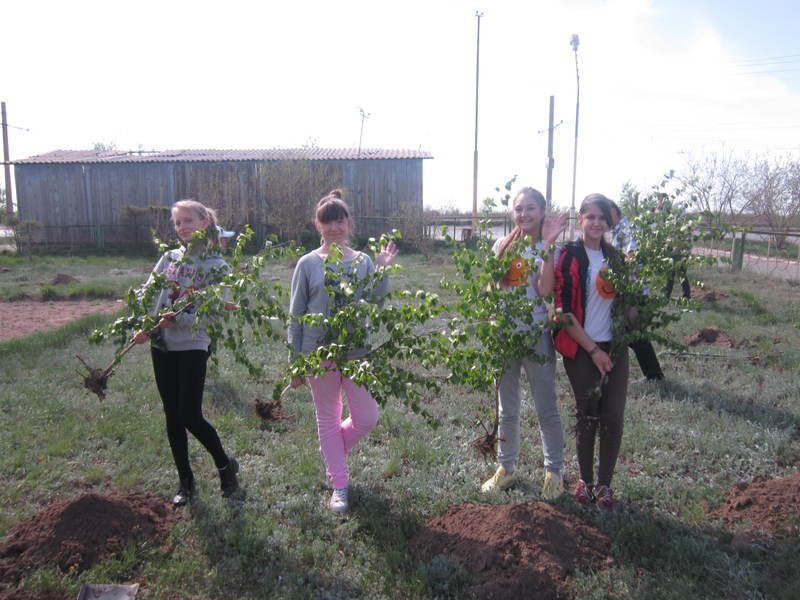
(757, 251)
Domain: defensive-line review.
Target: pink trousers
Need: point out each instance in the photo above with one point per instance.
(337, 437)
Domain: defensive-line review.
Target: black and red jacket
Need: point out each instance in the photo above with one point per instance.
(571, 291)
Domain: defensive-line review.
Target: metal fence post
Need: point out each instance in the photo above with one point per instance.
(737, 254)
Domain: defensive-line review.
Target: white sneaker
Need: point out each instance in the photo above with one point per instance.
(338, 503)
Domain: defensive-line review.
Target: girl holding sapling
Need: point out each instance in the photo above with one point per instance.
(584, 300)
(318, 288)
(532, 238)
(180, 346)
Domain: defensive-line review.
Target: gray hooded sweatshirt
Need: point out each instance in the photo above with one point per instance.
(184, 273)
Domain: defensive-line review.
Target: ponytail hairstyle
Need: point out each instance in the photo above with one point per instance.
(332, 208)
(516, 232)
(202, 211)
(605, 205)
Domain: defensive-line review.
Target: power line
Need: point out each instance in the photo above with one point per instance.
(777, 59)
(767, 72)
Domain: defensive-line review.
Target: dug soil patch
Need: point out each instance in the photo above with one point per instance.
(763, 507)
(24, 317)
(710, 335)
(75, 534)
(706, 294)
(513, 551)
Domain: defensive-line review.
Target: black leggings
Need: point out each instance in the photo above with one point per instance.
(598, 417)
(181, 377)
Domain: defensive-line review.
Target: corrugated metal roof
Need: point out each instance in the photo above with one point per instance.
(117, 156)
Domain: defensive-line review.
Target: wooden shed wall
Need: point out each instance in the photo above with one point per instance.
(74, 202)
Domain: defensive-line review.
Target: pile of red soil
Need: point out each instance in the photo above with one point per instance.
(763, 508)
(710, 335)
(513, 550)
(75, 534)
(707, 294)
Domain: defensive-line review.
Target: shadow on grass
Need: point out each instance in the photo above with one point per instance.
(249, 565)
(391, 532)
(715, 398)
(225, 395)
(668, 559)
(656, 557)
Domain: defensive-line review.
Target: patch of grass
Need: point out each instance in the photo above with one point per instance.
(95, 276)
(77, 291)
(717, 419)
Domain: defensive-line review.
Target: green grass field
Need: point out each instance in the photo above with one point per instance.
(722, 416)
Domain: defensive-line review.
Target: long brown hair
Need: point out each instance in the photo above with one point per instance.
(516, 232)
(605, 205)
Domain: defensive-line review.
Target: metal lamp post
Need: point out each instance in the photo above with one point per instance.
(478, 15)
(574, 41)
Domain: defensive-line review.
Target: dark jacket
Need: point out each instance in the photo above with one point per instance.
(571, 291)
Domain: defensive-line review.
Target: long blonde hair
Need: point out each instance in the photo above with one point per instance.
(516, 233)
(201, 210)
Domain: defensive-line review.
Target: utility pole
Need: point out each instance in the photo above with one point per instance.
(574, 41)
(550, 162)
(7, 162)
(475, 153)
(364, 117)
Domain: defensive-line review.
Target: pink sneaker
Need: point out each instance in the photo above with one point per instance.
(583, 493)
(604, 496)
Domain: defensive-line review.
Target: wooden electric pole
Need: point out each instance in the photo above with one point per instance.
(7, 162)
(550, 162)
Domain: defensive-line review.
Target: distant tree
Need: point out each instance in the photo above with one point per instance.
(146, 221)
(293, 189)
(773, 189)
(412, 220)
(716, 185)
(24, 234)
(630, 200)
(104, 146)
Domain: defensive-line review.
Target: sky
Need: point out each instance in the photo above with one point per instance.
(661, 81)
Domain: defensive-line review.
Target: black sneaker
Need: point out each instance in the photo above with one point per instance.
(227, 477)
(184, 493)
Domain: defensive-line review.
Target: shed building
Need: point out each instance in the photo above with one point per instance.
(87, 197)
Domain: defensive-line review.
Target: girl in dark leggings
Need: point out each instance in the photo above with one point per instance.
(180, 348)
(585, 299)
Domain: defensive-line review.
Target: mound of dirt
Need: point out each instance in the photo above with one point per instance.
(63, 278)
(77, 533)
(710, 335)
(763, 506)
(705, 294)
(513, 549)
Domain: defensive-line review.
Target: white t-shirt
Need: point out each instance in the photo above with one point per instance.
(597, 320)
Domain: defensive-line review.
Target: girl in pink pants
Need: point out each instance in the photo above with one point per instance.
(311, 295)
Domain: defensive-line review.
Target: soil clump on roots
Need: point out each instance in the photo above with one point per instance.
(75, 534)
(512, 550)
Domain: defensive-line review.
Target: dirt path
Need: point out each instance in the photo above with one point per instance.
(21, 319)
